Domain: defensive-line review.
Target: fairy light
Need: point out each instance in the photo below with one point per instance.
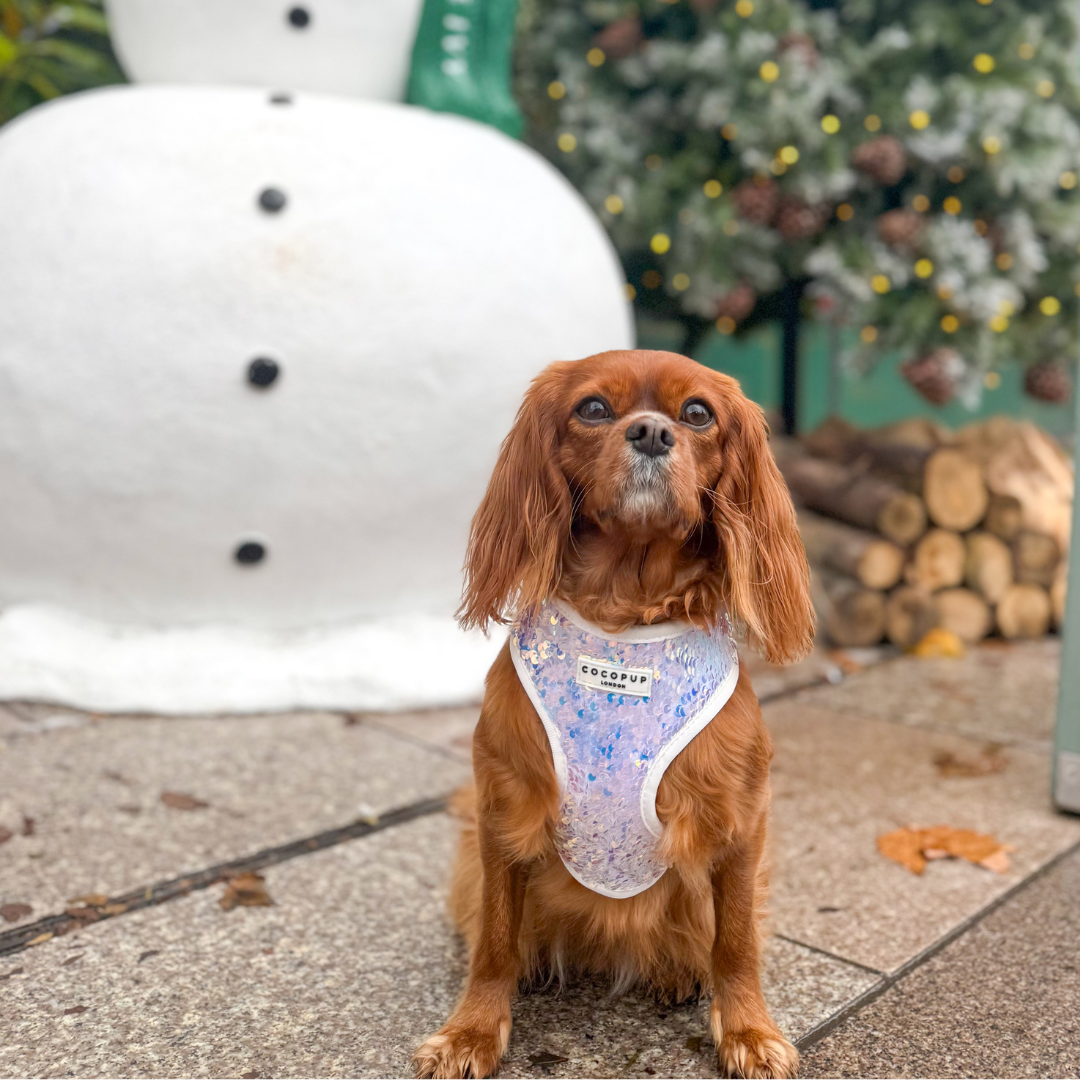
(880, 284)
(872, 123)
(556, 90)
(1049, 305)
(681, 282)
(660, 243)
(712, 189)
(991, 380)
(845, 211)
(919, 119)
(999, 324)
(1004, 261)
(1067, 180)
(595, 57)
(923, 268)
(1045, 88)
(955, 174)
(952, 205)
(950, 324)
(567, 142)
(725, 324)
(769, 71)
(991, 144)
(920, 203)
(613, 204)
(730, 131)
(830, 124)
(1026, 51)
(788, 154)
(983, 63)
(744, 8)
(868, 335)
(631, 292)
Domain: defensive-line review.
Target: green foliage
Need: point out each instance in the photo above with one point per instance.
(735, 148)
(49, 49)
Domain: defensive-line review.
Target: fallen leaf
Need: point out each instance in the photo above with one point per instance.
(13, 971)
(75, 1010)
(990, 761)
(937, 643)
(114, 909)
(829, 910)
(14, 912)
(546, 1057)
(913, 847)
(27, 826)
(94, 899)
(245, 890)
(5, 834)
(83, 914)
(40, 939)
(72, 959)
(176, 800)
(146, 955)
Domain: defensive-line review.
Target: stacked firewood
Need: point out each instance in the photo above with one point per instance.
(913, 527)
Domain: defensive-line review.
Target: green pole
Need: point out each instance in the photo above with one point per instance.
(461, 61)
(1067, 731)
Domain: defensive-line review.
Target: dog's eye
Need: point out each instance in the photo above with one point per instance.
(696, 414)
(593, 410)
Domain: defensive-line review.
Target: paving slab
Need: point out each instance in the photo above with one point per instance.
(92, 788)
(1002, 691)
(449, 730)
(349, 970)
(999, 1001)
(840, 780)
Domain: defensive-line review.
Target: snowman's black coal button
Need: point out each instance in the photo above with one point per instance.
(263, 372)
(272, 200)
(250, 553)
(280, 97)
(299, 17)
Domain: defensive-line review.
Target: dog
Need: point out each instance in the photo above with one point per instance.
(634, 514)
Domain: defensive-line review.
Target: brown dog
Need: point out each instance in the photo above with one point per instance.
(575, 513)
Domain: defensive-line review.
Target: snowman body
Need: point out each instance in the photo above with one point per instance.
(403, 274)
(356, 47)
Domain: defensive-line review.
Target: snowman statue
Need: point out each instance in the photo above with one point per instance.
(264, 324)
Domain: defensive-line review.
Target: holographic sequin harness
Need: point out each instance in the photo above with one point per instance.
(617, 710)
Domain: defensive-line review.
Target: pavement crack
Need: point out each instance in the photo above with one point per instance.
(53, 926)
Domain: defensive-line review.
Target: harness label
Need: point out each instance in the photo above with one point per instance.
(602, 675)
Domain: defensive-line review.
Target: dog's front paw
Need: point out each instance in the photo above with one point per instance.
(458, 1051)
(753, 1053)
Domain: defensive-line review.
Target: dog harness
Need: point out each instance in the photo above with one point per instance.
(617, 710)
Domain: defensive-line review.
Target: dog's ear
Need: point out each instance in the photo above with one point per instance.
(761, 556)
(516, 543)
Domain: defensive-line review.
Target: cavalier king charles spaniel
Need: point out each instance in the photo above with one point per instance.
(634, 522)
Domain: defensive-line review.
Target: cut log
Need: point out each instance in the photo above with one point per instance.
(1036, 558)
(1024, 612)
(854, 497)
(909, 613)
(874, 562)
(988, 567)
(1004, 517)
(965, 613)
(953, 490)
(851, 616)
(938, 561)
(1057, 595)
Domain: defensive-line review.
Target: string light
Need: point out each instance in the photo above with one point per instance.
(983, 63)
(681, 282)
(868, 334)
(660, 243)
(944, 292)
(919, 119)
(950, 324)
(744, 8)
(769, 71)
(991, 144)
(631, 292)
(1004, 261)
(725, 324)
(991, 380)
(999, 324)
(880, 284)
(845, 211)
(556, 90)
(1067, 180)
(980, 226)
(567, 143)
(1006, 308)
(788, 154)
(923, 268)
(1049, 305)
(613, 204)
(1026, 51)
(651, 279)
(830, 124)
(1045, 88)
(920, 203)
(872, 123)
(955, 174)
(712, 189)
(595, 57)
(952, 205)
(730, 131)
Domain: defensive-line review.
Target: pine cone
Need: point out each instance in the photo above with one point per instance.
(797, 220)
(935, 375)
(883, 159)
(738, 303)
(1048, 381)
(900, 228)
(803, 45)
(621, 38)
(757, 200)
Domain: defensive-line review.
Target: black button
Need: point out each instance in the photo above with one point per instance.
(249, 553)
(299, 17)
(263, 372)
(272, 200)
(280, 98)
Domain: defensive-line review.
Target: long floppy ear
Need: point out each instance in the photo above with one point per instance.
(517, 538)
(766, 577)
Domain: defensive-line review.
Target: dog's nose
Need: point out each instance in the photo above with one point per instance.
(650, 436)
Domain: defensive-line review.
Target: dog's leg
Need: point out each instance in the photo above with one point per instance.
(473, 1040)
(749, 1043)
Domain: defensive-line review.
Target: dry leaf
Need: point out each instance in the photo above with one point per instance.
(94, 899)
(40, 939)
(14, 912)
(83, 914)
(114, 909)
(990, 761)
(176, 800)
(913, 847)
(75, 1010)
(939, 642)
(245, 890)
(546, 1057)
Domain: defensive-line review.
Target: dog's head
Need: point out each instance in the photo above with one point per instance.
(656, 447)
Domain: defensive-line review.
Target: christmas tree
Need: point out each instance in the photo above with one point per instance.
(908, 169)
